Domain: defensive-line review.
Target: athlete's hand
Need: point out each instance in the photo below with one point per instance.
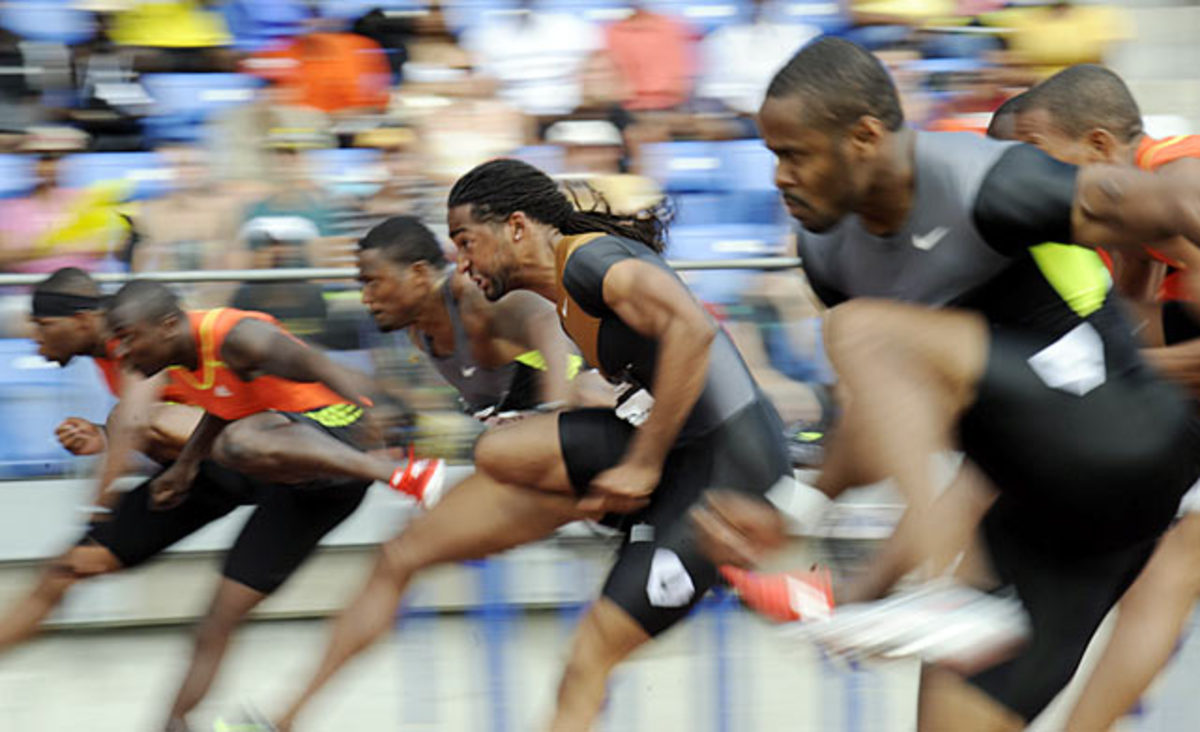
(171, 486)
(623, 488)
(80, 437)
(737, 529)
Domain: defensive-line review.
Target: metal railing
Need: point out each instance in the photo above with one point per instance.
(349, 273)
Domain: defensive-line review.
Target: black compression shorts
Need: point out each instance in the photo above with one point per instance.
(1066, 597)
(286, 525)
(660, 573)
(1178, 324)
(1087, 485)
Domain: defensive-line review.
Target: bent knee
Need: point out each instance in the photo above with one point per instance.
(239, 448)
(85, 561)
(491, 453)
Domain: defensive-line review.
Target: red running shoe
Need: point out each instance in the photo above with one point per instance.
(784, 597)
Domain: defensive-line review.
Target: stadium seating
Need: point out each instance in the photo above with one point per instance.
(51, 21)
(16, 175)
(183, 102)
(35, 396)
(146, 172)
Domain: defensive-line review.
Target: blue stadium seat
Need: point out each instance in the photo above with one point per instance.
(747, 165)
(726, 241)
(16, 175)
(353, 9)
(763, 208)
(146, 171)
(828, 16)
(700, 209)
(183, 102)
(684, 167)
(341, 169)
(462, 15)
(704, 16)
(596, 11)
(258, 23)
(52, 21)
(551, 159)
(35, 396)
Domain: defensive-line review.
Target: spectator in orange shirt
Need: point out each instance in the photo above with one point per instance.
(654, 54)
(333, 72)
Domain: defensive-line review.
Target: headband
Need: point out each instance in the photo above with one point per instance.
(61, 304)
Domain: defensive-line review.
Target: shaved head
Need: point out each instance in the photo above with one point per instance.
(142, 301)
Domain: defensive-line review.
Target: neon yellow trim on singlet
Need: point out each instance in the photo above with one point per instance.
(535, 360)
(209, 359)
(336, 415)
(1077, 274)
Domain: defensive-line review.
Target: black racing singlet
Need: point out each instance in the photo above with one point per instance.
(622, 354)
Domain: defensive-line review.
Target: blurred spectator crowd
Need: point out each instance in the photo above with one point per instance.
(183, 135)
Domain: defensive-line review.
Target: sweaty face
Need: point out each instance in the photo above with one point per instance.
(59, 339)
(1036, 127)
(390, 290)
(145, 346)
(485, 252)
(813, 171)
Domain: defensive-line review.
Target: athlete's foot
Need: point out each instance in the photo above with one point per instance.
(177, 725)
(423, 480)
(250, 720)
(784, 597)
(943, 623)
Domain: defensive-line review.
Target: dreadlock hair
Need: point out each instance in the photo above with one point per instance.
(404, 240)
(497, 189)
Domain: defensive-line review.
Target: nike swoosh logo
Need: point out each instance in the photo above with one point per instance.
(468, 372)
(222, 391)
(925, 242)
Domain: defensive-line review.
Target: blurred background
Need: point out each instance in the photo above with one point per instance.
(259, 134)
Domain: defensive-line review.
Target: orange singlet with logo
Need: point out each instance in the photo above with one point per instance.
(1151, 155)
(221, 392)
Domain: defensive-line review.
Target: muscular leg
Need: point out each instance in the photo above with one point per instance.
(229, 607)
(525, 453)
(947, 703)
(272, 447)
(476, 518)
(606, 637)
(23, 619)
(1150, 619)
(907, 373)
(958, 511)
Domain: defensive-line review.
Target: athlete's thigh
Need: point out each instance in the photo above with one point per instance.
(476, 518)
(537, 451)
(954, 343)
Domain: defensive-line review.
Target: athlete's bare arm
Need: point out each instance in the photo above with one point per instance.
(656, 305)
(256, 348)
(1117, 206)
(129, 419)
(529, 320)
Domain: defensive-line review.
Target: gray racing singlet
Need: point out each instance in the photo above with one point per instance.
(478, 387)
